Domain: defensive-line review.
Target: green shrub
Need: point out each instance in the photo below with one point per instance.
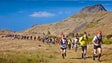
(104, 41)
(108, 36)
(51, 36)
(90, 40)
(107, 41)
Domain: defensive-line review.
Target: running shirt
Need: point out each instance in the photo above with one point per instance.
(83, 41)
(69, 41)
(97, 39)
(63, 43)
(75, 41)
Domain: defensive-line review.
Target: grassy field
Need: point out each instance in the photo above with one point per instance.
(29, 51)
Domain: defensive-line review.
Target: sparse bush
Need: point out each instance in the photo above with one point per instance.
(52, 56)
(107, 42)
(34, 32)
(90, 40)
(91, 25)
(70, 35)
(108, 36)
(99, 20)
(48, 32)
(51, 36)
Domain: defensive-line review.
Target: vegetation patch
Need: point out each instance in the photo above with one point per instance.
(23, 58)
(107, 41)
(109, 36)
(70, 35)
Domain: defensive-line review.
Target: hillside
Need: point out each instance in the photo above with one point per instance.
(4, 32)
(102, 21)
(85, 20)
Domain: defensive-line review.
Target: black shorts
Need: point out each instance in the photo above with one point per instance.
(63, 48)
(96, 47)
(84, 48)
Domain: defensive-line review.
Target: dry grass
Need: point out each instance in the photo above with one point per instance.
(102, 20)
(28, 51)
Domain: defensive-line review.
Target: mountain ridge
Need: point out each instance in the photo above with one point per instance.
(79, 22)
(93, 9)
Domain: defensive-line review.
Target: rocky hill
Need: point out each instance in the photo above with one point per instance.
(93, 9)
(89, 19)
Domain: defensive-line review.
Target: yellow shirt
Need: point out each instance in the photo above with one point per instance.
(69, 41)
(83, 41)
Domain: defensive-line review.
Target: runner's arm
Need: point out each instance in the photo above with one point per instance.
(94, 41)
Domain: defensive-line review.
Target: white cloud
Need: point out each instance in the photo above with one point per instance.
(42, 14)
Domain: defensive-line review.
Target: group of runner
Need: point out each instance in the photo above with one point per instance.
(21, 37)
(83, 42)
(69, 43)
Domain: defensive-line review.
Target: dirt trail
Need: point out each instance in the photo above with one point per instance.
(50, 53)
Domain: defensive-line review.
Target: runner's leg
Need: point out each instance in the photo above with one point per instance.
(82, 51)
(94, 52)
(62, 52)
(85, 51)
(76, 46)
(99, 55)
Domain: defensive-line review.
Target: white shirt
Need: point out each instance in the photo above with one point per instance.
(96, 39)
(75, 41)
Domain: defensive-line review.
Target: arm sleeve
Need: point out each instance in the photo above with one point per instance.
(94, 39)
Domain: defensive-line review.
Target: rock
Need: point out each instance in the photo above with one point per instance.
(93, 9)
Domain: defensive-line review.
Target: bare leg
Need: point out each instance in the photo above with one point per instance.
(94, 53)
(99, 55)
(63, 52)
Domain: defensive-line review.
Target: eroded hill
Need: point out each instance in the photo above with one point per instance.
(90, 22)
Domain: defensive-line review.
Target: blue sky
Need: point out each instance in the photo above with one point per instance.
(18, 15)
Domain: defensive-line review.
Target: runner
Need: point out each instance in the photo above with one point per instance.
(63, 46)
(97, 40)
(83, 42)
(75, 43)
(69, 43)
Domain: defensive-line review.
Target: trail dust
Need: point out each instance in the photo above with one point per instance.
(30, 51)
